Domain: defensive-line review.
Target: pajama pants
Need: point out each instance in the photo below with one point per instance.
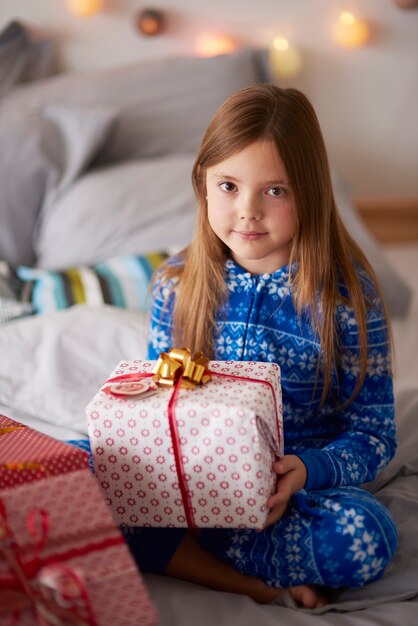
(341, 537)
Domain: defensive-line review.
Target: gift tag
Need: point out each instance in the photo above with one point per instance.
(141, 388)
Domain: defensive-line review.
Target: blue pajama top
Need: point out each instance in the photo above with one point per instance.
(340, 447)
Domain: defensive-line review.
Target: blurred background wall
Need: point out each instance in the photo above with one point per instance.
(366, 97)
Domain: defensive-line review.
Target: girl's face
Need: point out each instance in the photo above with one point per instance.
(250, 207)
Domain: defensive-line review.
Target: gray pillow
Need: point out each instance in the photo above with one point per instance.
(42, 151)
(164, 105)
(23, 56)
(134, 207)
(23, 177)
(396, 291)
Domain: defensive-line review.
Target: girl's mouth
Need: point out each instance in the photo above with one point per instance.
(248, 235)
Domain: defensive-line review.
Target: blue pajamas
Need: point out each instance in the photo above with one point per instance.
(333, 532)
(336, 537)
(332, 537)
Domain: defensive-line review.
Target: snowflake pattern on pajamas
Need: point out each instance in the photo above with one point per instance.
(259, 322)
(339, 535)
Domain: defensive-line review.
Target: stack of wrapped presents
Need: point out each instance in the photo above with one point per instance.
(62, 558)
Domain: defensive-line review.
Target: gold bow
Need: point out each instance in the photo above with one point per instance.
(179, 362)
(30, 465)
(4, 430)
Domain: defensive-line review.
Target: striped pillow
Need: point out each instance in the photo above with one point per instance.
(121, 281)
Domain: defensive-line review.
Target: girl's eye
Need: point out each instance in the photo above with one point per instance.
(277, 192)
(227, 186)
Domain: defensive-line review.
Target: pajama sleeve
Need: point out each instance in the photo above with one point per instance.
(367, 433)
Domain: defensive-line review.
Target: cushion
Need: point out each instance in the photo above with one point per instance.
(121, 281)
(165, 104)
(396, 291)
(42, 152)
(134, 207)
(11, 306)
(24, 56)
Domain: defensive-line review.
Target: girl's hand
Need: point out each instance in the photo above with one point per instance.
(291, 476)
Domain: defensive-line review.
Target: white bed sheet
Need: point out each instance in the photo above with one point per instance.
(51, 366)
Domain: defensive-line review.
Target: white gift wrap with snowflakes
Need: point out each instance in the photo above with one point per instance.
(218, 471)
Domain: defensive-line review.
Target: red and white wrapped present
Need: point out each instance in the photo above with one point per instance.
(62, 559)
(201, 457)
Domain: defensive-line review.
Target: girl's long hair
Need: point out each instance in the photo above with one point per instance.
(322, 249)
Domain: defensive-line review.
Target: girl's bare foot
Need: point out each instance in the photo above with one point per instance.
(191, 562)
(305, 596)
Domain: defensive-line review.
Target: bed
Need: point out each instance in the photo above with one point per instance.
(95, 178)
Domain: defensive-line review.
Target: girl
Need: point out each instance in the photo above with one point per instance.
(273, 275)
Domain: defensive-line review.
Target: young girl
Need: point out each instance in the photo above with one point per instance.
(273, 275)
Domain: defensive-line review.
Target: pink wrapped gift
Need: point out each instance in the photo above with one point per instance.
(27, 455)
(62, 559)
(197, 458)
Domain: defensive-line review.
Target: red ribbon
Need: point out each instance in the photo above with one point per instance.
(185, 494)
(175, 438)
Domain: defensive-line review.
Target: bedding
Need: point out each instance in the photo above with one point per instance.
(396, 291)
(138, 205)
(101, 172)
(24, 56)
(43, 150)
(164, 104)
(88, 160)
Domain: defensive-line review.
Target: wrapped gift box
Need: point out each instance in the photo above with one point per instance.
(27, 455)
(62, 559)
(198, 458)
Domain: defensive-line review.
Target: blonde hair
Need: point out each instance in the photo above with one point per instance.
(322, 249)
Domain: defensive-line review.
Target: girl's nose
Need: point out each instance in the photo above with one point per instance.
(249, 216)
(249, 210)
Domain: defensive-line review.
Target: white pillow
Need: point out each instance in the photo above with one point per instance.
(135, 207)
